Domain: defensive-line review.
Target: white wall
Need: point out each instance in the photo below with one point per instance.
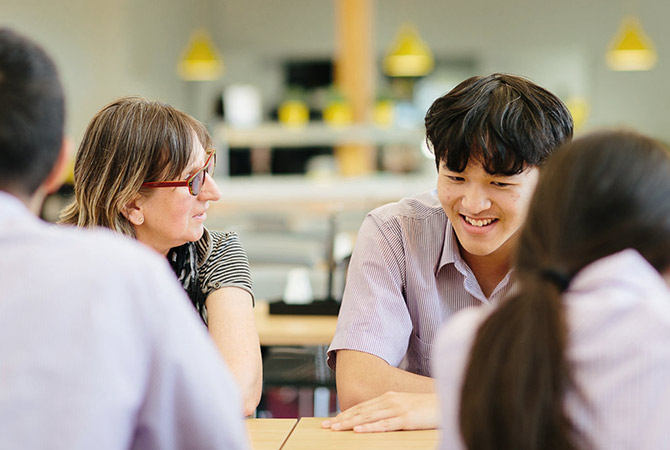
(107, 49)
(88, 42)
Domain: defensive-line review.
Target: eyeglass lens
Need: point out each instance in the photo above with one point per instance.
(199, 179)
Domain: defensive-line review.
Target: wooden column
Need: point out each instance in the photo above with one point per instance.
(354, 76)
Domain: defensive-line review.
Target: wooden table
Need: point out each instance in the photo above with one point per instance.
(269, 434)
(293, 330)
(308, 435)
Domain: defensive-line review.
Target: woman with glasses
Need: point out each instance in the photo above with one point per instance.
(144, 170)
(579, 357)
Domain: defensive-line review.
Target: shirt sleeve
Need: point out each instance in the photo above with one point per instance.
(226, 265)
(373, 316)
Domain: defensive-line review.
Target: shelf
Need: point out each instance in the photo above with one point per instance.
(284, 192)
(315, 134)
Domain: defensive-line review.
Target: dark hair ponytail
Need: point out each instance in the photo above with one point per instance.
(513, 389)
(598, 195)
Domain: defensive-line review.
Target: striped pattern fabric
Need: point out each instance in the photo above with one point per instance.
(222, 262)
(406, 277)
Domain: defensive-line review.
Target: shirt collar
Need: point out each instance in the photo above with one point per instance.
(450, 252)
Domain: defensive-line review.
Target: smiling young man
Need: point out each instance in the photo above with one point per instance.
(420, 260)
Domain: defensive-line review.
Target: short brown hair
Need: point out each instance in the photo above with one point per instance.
(130, 141)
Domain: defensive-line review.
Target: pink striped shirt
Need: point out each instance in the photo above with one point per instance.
(406, 277)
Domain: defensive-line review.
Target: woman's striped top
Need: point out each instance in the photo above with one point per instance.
(221, 262)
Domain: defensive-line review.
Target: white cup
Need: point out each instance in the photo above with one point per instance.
(242, 105)
(298, 289)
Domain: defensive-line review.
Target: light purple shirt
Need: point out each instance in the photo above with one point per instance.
(406, 277)
(101, 349)
(618, 316)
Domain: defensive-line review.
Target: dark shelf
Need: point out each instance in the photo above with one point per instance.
(316, 308)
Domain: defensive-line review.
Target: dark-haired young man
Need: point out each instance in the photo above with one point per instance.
(420, 260)
(100, 346)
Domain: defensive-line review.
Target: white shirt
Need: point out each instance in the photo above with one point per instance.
(618, 316)
(101, 349)
(406, 277)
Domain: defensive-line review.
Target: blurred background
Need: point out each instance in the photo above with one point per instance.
(307, 119)
(107, 49)
(314, 121)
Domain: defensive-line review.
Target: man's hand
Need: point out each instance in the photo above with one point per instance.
(389, 412)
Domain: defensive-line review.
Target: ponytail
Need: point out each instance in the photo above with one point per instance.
(512, 396)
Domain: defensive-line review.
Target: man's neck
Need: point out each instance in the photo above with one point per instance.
(34, 203)
(489, 269)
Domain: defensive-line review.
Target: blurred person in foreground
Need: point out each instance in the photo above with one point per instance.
(100, 347)
(579, 357)
(144, 169)
(418, 261)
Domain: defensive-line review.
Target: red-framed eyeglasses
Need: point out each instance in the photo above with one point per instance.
(194, 182)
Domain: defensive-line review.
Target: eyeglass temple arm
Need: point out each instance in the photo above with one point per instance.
(165, 183)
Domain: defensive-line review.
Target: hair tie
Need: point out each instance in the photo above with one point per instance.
(557, 277)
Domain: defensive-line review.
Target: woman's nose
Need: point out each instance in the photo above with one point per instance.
(210, 190)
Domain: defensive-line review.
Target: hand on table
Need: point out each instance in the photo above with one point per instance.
(388, 412)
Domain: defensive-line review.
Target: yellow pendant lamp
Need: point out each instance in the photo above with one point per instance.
(200, 61)
(409, 55)
(631, 48)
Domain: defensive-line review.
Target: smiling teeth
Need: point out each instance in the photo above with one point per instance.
(478, 223)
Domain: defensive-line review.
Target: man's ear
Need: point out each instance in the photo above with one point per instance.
(133, 211)
(59, 171)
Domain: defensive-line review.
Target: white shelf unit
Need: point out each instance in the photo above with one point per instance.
(277, 135)
(297, 208)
